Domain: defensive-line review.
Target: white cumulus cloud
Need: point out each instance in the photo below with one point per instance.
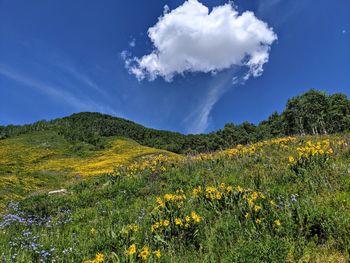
(191, 38)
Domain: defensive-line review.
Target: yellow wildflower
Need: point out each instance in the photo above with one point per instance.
(157, 253)
(257, 208)
(99, 258)
(250, 202)
(155, 226)
(131, 250)
(168, 197)
(196, 218)
(144, 253)
(218, 195)
(196, 191)
(291, 160)
(254, 196)
(178, 221)
(166, 222)
(160, 202)
(258, 221)
(277, 222)
(209, 192)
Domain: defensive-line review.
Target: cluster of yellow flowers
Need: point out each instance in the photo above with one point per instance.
(259, 208)
(256, 206)
(171, 199)
(143, 253)
(215, 193)
(252, 198)
(155, 165)
(321, 148)
(184, 222)
(243, 150)
(311, 149)
(158, 225)
(99, 258)
(159, 163)
(240, 150)
(170, 223)
(171, 218)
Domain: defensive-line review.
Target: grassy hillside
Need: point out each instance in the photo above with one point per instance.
(282, 200)
(313, 112)
(45, 160)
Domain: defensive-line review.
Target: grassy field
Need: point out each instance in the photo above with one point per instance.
(284, 200)
(44, 161)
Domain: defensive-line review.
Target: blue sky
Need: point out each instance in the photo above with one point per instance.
(61, 57)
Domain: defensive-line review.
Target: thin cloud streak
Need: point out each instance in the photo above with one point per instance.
(82, 78)
(200, 118)
(55, 92)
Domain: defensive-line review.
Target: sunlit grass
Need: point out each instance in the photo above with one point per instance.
(282, 200)
(45, 161)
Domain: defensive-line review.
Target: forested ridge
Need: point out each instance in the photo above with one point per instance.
(313, 112)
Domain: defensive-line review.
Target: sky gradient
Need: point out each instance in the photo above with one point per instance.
(61, 57)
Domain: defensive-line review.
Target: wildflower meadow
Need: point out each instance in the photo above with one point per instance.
(279, 200)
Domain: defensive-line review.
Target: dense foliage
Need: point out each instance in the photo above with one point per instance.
(313, 112)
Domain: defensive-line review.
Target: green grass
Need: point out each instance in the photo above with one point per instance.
(312, 205)
(44, 161)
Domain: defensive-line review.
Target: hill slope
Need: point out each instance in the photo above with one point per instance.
(273, 200)
(313, 112)
(281, 200)
(45, 160)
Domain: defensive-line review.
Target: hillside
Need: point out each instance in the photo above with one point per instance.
(273, 192)
(280, 200)
(45, 160)
(185, 131)
(313, 112)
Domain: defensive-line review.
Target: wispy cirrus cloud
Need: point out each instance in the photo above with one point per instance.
(81, 77)
(54, 92)
(199, 120)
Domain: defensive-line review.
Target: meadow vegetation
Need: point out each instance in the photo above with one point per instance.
(274, 192)
(46, 160)
(279, 200)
